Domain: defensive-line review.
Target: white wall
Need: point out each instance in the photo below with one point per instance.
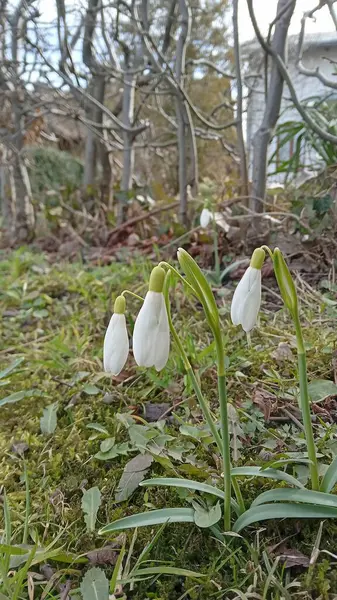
(305, 88)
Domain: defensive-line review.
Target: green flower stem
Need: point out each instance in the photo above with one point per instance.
(267, 249)
(190, 373)
(223, 442)
(305, 403)
(224, 431)
(132, 294)
(182, 279)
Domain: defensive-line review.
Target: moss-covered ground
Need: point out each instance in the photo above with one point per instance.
(54, 317)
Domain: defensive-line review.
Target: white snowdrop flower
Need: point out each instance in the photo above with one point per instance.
(116, 341)
(247, 296)
(151, 335)
(205, 217)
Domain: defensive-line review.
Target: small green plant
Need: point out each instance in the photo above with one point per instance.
(151, 345)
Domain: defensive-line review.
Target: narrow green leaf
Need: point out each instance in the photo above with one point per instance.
(12, 550)
(17, 396)
(330, 478)
(269, 473)
(153, 517)
(11, 367)
(48, 421)
(189, 484)
(98, 427)
(148, 547)
(280, 510)
(166, 571)
(91, 501)
(94, 585)
(296, 495)
(116, 571)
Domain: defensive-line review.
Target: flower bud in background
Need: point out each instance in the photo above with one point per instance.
(151, 334)
(247, 296)
(285, 281)
(116, 341)
(205, 217)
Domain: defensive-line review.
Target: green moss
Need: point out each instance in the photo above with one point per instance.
(55, 319)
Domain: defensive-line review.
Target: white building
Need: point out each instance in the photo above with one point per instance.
(320, 51)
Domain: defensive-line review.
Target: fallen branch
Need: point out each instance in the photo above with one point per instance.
(140, 218)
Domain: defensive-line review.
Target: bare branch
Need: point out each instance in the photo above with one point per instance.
(284, 72)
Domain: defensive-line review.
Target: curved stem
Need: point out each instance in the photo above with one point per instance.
(305, 403)
(182, 279)
(190, 373)
(267, 249)
(132, 294)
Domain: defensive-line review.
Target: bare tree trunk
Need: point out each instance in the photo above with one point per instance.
(24, 218)
(182, 158)
(128, 145)
(94, 114)
(6, 203)
(181, 113)
(285, 9)
(241, 142)
(24, 213)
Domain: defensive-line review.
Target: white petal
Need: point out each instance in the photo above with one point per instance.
(162, 344)
(116, 345)
(251, 306)
(205, 217)
(146, 329)
(241, 292)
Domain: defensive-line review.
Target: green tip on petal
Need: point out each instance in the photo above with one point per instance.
(257, 259)
(120, 305)
(157, 279)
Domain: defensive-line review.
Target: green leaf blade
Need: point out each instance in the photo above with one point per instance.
(296, 495)
(94, 585)
(91, 501)
(153, 517)
(48, 421)
(268, 473)
(281, 510)
(330, 478)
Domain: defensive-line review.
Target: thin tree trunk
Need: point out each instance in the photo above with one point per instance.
(128, 145)
(244, 191)
(262, 137)
(181, 113)
(24, 213)
(24, 218)
(94, 114)
(6, 202)
(182, 160)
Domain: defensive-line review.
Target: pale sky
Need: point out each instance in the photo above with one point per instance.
(265, 11)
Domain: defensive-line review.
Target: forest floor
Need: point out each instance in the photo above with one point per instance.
(67, 427)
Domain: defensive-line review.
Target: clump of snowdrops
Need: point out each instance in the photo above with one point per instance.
(151, 346)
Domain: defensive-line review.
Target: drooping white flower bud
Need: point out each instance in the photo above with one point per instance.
(247, 296)
(205, 217)
(151, 334)
(116, 341)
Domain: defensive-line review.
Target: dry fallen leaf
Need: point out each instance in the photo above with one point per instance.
(265, 401)
(283, 352)
(293, 558)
